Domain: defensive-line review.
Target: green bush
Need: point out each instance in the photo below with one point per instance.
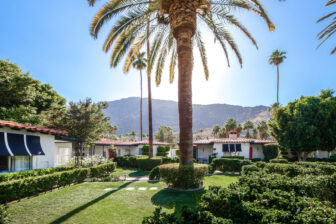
(278, 161)
(233, 157)
(212, 157)
(145, 150)
(166, 160)
(154, 174)
(249, 169)
(271, 151)
(126, 161)
(102, 170)
(17, 189)
(3, 214)
(183, 176)
(177, 153)
(32, 173)
(228, 165)
(162, 150)
(147, 164)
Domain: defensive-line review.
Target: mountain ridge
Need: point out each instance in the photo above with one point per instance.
(125, 113)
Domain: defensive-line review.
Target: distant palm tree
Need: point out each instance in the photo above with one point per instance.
(262, 130)
(276, 59)
(215, 130)
(248, 125)
(327, 32)
(139, 63)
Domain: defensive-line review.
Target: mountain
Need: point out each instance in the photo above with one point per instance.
(125, 113)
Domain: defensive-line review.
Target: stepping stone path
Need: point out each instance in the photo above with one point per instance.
(130, 189)
(153, 188)
(142, 188)
(108, 189)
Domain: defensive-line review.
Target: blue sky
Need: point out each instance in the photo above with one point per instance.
(51, 40)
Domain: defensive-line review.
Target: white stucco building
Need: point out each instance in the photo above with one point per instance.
(122, 148)
(245, 147)
(25, 147)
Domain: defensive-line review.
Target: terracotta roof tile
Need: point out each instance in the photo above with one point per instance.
(15, 125)
(232, 140)
(124, 143)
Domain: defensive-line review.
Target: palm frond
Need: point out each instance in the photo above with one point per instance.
(172, 66)
(203, 55)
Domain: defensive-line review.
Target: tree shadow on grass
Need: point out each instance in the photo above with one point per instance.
(77, 210)
(176, 200)
(138, 173)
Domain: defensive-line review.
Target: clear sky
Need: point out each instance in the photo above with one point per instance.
(50, 38)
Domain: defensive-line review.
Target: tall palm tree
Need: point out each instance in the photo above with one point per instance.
(215, 130)
(262, 130)
(328, 31)
(276, 59)
(173, 28)
(139, 63)
(248, 125)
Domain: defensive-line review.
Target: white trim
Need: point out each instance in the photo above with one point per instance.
(26, 146)
(7, 145)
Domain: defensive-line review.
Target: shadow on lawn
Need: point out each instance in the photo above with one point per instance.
(176, 200)
(138, 173)
(75, 211)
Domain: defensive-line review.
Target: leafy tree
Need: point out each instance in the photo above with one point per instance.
(140, 63)
(132, 136)
(24, 99)
(306, 124)
(276, 59)
(239, 130)
(230, 125)
(172, 27)
(165, 134)
(85, 121)
(329, 30)
(248, 125)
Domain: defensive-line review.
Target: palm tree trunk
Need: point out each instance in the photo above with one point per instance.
(183, 22)
(140, 105)
(150, 121)
(278, 85)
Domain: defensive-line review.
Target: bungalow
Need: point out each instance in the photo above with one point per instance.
(103, 147)
(232, 146)
(25, 147)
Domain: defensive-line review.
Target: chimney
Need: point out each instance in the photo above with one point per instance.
(233, 134)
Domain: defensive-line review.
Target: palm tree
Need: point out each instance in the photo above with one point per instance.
(230, 125)
(139, 63)
(276, 59)
(327, 32)
(215, 130)
(248, 125)
(173, 28)
(239, 130)
(262, 130)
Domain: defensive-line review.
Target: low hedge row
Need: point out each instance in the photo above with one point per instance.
(228, 165)
(183, 176)
(143, 163)
(31, 173)
(16, 189)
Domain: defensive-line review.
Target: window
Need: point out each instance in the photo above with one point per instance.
(238, 148)
(225, 148)
(232, 148)
(20, 163)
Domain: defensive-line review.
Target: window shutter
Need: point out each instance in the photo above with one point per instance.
(238, 148)
(225, 148)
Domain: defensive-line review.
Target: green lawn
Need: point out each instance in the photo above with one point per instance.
(130, 172)
(91, 203)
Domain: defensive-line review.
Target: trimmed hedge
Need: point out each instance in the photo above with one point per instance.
(183, 176)
(228, 165)
(278, 161)
(145, 150)
(162, 150)
(271, 151)
(32, 173)
(233, 157)
(154, 174)
(16, 189)
(147, 164)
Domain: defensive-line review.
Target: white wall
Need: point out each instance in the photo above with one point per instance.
(257, 151)
(47, 144)
(204, 151)
(63, 153)
(244, 146)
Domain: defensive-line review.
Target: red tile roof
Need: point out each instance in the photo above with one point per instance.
(18, 126)
(232, 140)
(124, 143)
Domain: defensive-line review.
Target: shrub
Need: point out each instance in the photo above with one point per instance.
(177, 153)
(213, 156)
(256, 160)
(166, 160)
(126, 161)
(3, 214)
(154, 174)
(271, 151)
(183, 176)
(17, 189)
(248, 169)
(147, 164)
(145, 150)
(278, 161)
(228, 165)
(233, 157)
(102, 170)
(162, 150)
(32, 173)
(90, 161)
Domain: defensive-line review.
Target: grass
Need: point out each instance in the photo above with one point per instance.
(130, 172)
(90, 203)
